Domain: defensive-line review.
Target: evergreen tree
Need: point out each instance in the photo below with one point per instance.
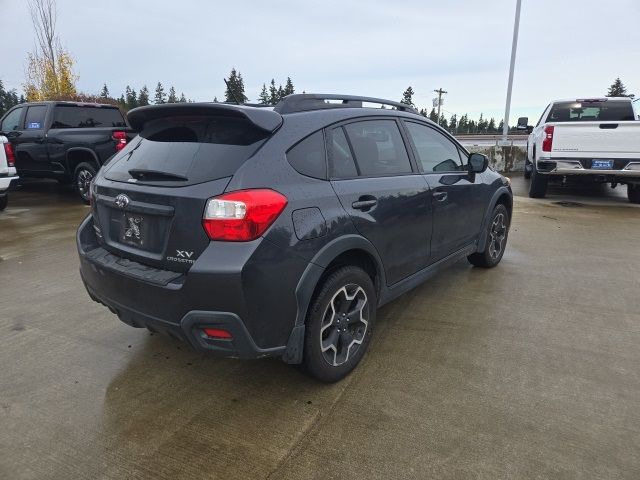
(131, 98)
(617, 89)
(463, 124)
(273, 93)
(172, 95)
(500, 126)
(288, 88)
(453, 123)
(491, 127)
(407, 96)
(105, 92)
(263, 98)
(215, 100)
(160, 97)
(143, 96)
(472, 127)
(433, 116)
(235, 88)
(183, 99)
(443, 122)
(122, 103)
(423, 112)
(280, 93)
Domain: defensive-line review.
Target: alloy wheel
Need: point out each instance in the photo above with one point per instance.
(497, 235)
(83, 181)
(344, 324)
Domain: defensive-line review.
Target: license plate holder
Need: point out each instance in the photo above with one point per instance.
(134, 229)
(601, 164)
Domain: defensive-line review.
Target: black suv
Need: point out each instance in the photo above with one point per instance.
(255, 232)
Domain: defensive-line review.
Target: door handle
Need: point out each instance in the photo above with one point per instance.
(440, 196)
(365, 203)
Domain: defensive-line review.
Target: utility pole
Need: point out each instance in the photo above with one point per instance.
(440, 92)
(514, 47)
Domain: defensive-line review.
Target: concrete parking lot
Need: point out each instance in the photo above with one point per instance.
(528, 370)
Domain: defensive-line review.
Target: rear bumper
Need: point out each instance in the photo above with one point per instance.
(582, 167)
(5, 183)
(221, 290)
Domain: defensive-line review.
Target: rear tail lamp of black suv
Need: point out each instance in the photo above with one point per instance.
(243, 215)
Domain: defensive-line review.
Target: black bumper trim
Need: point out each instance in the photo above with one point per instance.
(189, 329)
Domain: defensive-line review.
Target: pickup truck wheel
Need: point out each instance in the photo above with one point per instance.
(339, 324)
(4, 200)
(527, 169)
(633, 192)
(497, 233)
(538, 185)
(83, 175)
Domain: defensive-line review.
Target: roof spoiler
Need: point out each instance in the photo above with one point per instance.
(262, 118)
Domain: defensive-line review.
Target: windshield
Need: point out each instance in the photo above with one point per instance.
(591, 111)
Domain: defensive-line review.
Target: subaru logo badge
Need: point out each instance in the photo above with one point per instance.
(122, 200)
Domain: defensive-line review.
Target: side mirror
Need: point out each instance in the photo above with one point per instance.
(478, 163)
(529, 128)
(522, 123)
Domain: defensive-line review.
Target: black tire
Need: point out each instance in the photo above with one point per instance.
(538, 185)
(347, 290)
(497, 234)
(4, 200)
(527, 169)
(633, 192)
(82, 177)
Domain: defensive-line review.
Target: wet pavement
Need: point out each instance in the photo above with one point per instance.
(528, 370)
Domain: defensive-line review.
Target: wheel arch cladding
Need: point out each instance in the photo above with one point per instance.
(347, 250)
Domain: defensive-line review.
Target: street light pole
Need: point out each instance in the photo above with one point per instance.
(514, 47)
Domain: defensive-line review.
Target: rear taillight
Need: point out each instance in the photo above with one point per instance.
(8, 151)
(120, 139)
(547, 141)
(243, 215)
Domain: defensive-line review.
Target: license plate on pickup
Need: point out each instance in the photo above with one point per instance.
(597, 164)
(133, 230)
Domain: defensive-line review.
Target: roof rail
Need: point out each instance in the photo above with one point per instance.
(303, 102)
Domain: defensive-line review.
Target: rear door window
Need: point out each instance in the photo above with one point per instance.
(12, 120)
(73, 116)
(434, 151)
(34, 120)
(378, 148)
(308, 156)
(341, 162)
(185, 150)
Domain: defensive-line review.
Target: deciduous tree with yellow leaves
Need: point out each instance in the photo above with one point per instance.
(49, 72)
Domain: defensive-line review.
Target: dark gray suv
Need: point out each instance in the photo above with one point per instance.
(254, 232)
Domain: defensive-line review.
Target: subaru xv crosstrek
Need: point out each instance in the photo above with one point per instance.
(254, 232)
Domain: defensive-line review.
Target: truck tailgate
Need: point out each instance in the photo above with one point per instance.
(615, 139)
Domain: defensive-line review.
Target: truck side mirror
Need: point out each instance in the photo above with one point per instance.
(478, 163)
(522, 123)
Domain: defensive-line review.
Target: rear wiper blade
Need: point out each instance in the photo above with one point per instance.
(155, 175)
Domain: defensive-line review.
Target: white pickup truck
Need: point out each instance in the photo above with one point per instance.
(589, 140)
(7, 170)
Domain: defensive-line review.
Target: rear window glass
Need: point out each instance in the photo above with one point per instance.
(70, 116)
(186, 150)
(308, 157)
(616, 111)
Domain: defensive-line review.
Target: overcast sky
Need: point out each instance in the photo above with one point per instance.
(567, 48)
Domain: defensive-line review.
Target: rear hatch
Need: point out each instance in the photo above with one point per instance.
(149, 200)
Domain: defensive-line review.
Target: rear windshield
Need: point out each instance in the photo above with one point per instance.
(72, 116)
(591, 112)
(187, 150)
